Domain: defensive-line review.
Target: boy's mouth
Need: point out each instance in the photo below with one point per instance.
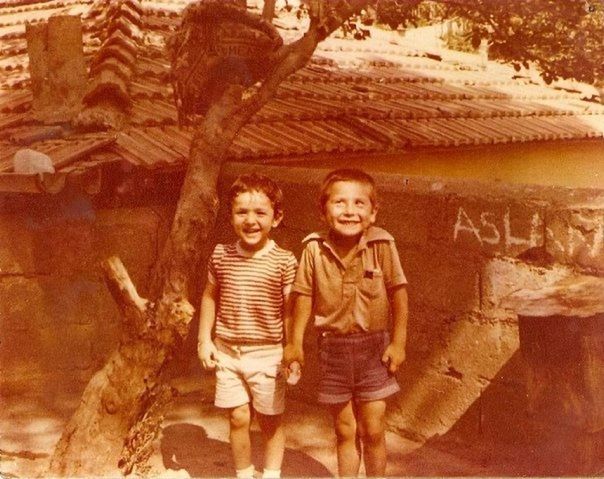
(252, 232)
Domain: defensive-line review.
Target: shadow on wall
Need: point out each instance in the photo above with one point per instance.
(468, 354)
(51, 295)
(507, 438)
(490, 438)
(185, 446)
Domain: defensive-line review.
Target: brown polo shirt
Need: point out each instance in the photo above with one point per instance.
(354, 298)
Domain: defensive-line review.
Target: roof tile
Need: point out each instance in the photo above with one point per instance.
(352, 96)
(62, 152)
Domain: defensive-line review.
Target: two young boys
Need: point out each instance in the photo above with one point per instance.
(349, 279)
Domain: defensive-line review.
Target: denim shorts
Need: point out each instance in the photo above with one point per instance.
(350, 367)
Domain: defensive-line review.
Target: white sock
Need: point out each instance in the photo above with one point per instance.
(271, 474)
(246, 473)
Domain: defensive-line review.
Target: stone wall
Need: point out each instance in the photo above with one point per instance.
(58, 320)
(465, 371)
(469, 372)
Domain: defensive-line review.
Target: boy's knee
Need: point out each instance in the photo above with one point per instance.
(269, 423)
(372, 430)
(345, 428)
(240, 416)
(373, 436)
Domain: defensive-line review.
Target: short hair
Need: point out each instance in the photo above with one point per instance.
(347, 174)
(249, 182)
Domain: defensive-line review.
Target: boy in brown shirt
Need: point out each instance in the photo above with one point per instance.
(351, 280)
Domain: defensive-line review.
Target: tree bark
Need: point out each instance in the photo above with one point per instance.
(268, 10)
(118, 395)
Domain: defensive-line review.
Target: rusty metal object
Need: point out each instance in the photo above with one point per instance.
(218, 44)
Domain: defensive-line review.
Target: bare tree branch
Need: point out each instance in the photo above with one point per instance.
(134, 308)
(292, 57)
(268, 10)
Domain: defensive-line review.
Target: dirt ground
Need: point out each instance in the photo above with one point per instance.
(194, 441)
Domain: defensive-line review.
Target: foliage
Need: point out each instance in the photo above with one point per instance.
(459, 39)
(352, 26)
(403, 13)
(563, 39)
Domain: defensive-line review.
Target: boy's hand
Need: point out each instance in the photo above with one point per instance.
(208, 354)
(293, 373)
(292, 353)
(393, 357)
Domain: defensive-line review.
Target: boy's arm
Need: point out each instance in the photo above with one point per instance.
(207, 317)
(287, 315)
(394, 354)
(288, 297)
(301, 309)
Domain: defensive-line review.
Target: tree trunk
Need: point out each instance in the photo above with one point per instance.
(268, 10)
(119, 394)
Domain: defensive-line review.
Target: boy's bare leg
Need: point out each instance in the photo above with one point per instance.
(371, 416)
(348, 446)
(274, 440)
(239, 436)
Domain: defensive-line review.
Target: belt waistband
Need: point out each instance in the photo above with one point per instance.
(360, 334)
(248, 343)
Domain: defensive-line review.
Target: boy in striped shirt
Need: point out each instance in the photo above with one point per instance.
(243, 302)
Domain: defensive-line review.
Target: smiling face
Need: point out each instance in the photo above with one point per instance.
(253, 217)
(348, 210)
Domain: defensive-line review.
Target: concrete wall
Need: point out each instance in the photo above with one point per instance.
(57, 319)
(465, 372)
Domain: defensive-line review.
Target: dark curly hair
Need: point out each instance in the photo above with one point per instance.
(249, 182)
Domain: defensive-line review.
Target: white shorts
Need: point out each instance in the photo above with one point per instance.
(250, 373)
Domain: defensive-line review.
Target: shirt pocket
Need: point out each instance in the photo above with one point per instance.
(371, 284)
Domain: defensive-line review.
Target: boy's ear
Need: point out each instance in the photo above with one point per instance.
(322, 213)
(373, 214)
(277, 219)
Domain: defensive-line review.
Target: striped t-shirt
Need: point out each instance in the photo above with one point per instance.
(251, 290)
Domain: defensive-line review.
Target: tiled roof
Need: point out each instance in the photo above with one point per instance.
(154, 146)
(63, 151)
(354, 96)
